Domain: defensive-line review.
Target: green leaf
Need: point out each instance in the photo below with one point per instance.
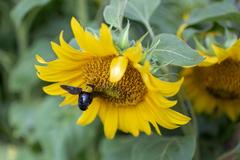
(215, 11)
(6, 60)
(141, 11)
(42, 121)
(24, 71)
(117, 149)
(113, 13)
(172, 50)
(15, 152)
(167, 17)
(149, 147)
(24, 7)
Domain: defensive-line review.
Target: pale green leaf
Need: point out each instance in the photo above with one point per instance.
(215, 11)
(141, 11)
(149, 147)
(113, 13)
(117, 149)
(24, 71)
(172, 50)
(54, 128)
(15, 152)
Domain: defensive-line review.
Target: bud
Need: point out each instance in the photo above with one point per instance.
(123, 37)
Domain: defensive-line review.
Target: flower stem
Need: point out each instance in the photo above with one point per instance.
(149, 28)
(82, 11)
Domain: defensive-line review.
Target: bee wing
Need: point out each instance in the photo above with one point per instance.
(71, 90)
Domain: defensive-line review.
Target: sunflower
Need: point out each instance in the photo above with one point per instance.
(129, 97)
(214, 85)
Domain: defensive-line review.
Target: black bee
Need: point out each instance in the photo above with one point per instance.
(84, 99)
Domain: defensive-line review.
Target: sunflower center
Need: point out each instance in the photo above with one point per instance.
(222, 80)
(130, 90)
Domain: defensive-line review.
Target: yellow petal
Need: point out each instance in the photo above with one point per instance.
(66, 46)
(54, 89)
(147, 115)
(69, 100)
(165, 88)
(40, 59)
(208, 61)
(144, 125)
(64, 54)
(90, 114)
(132, 120)
(57, 76)
(122, 122)
(176, 117)
(111, 122)
(87, 41)
(220, 53)
(134, 54)
(106, 39)
(161, 118)
(159, 100)
(154, 84)
(103, 110)
(117, 68)
(234, 50)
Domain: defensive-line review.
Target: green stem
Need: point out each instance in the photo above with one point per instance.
(22, 39)
(22, 31)
(82, 11)
(26, 95)
(149, 28)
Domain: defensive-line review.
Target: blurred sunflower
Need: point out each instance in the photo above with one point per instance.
(129, 97)
(214, 85)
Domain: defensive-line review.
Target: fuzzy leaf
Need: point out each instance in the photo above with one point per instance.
(215, 11)
(149, 147)
(24, 72)
(141, 11)
(54, 128)
(172, 50)
(113, 13)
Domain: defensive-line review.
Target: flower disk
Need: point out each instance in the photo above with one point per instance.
(218, 87)
(130, 90)
(126, 95)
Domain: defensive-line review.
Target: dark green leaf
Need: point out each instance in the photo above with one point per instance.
(24, 7)
(232, 154)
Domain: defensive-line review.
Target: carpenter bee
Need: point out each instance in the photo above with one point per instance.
(84, 98)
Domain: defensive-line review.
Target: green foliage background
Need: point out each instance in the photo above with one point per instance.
(33, 127)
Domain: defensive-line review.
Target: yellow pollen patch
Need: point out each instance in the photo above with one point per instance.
(222, 81)
(130, 90)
